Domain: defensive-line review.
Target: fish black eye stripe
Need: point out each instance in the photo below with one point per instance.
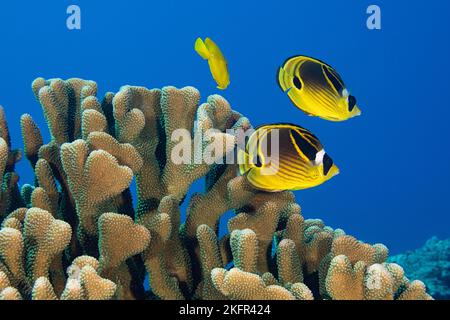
(327, 164)
(351, 103)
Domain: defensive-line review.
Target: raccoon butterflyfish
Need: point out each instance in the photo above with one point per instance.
(317, 89)
(208, 50)
(280, 157)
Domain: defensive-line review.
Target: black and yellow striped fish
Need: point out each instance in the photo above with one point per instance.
(317, 89)
(281, 157)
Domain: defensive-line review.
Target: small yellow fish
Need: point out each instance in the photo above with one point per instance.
(208, 50)
(280, 157)
(317, 89)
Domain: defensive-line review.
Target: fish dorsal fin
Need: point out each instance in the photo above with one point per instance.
(214, 50)
(202, 49)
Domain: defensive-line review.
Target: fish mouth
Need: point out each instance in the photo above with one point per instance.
(357, 112)
(334, 171)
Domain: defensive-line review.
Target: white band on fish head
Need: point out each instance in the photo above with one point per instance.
(319, 157)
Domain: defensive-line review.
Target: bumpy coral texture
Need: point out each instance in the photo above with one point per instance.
(431, 264)
(74, 233)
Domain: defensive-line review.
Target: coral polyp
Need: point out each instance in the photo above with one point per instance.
(74, 233)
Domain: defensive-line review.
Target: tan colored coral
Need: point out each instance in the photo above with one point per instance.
(40, 199)
(288, 262)
(44, 175)
(45, 238)
(43, 290)
(72, 290)
(137, 112)
(301, 291)
(240, 285)
(208, 207)
(224, 190)
(178, 261)
(93, 178)
(8, 158)
(269, 279)
(4, 281)
(98, 146)
(18, 215)
(244, 246)
(162, 281)
(358, 251)
(12, 223)
(4, 131)
(32, 138)
(209, 258)
(125, 153)
(3, 156)
(263, 216)
(374, 282)
(95, 287)
(10, 293)
(398, 276)
(60, 101)
(82, 261)
(318, 241)
(92, 121)
(12, 254)
(120, 239)
(415, 291)
(344, 281)
(216, 143)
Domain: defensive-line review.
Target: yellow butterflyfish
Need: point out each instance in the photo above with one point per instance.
(280, 157)
(208, 50)
(317, 89)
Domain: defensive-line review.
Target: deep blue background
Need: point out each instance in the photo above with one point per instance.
(394, 160)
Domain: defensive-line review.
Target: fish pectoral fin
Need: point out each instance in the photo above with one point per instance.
(201, 49)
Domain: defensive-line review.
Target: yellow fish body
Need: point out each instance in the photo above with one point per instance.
(208, 50)
(317, 89)
(299, 163)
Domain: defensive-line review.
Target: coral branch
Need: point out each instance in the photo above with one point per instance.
(75, 233)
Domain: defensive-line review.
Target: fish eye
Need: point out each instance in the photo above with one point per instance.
(351, 103)
(297, 83)
(327, 164)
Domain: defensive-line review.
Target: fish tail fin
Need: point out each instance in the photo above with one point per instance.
(243, 161)
(201, 49)
(282, 79)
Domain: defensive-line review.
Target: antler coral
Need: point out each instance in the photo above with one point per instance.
(74, 233)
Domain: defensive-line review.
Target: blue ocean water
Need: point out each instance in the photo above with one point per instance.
(394, 159)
